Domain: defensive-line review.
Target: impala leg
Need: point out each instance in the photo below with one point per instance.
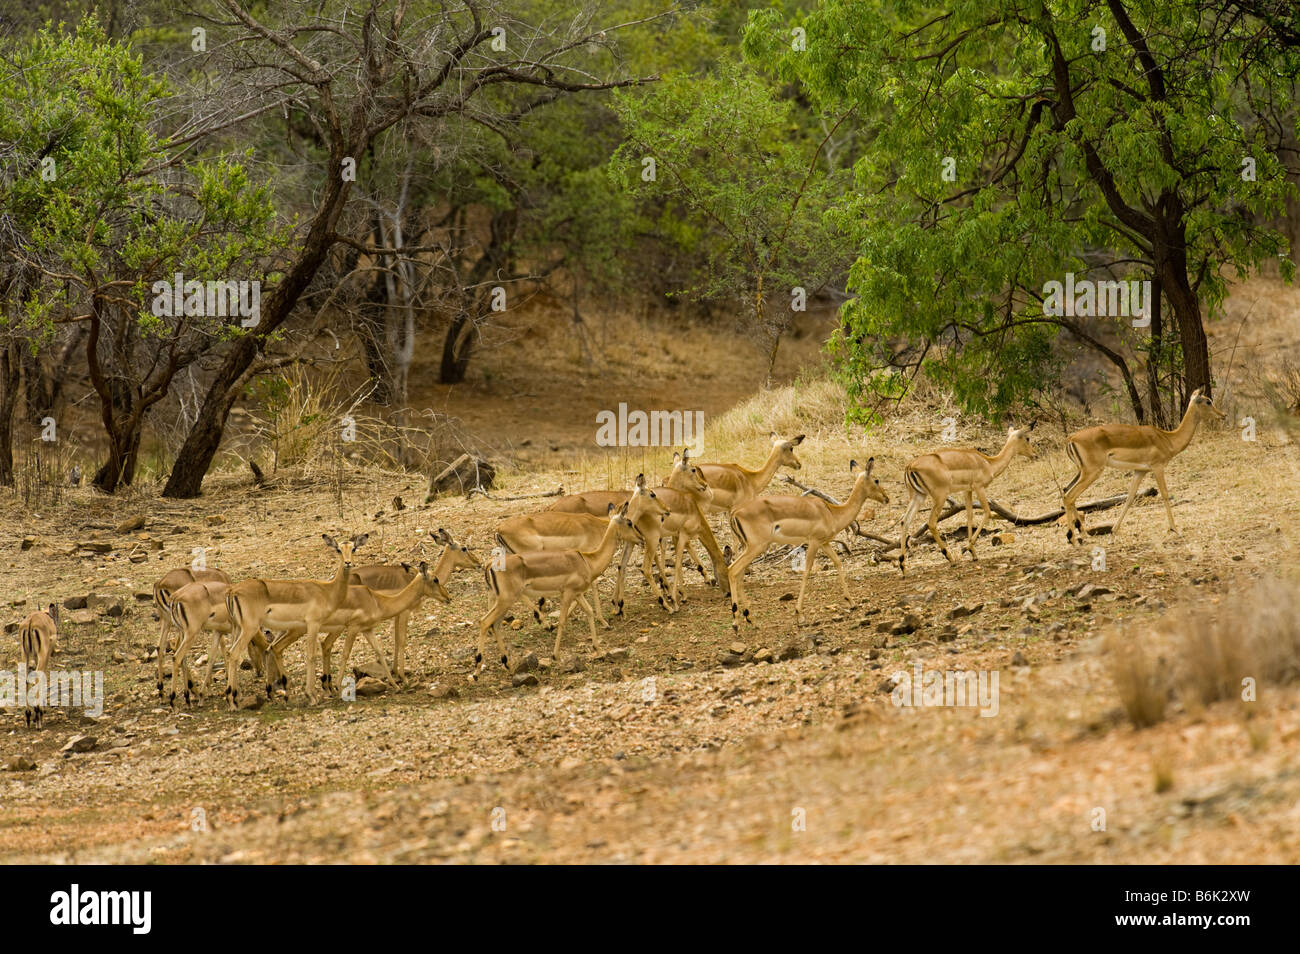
(163, 644)
(217, 640)
(736, 577)
(566, 604)
(489, 622)
(179, 667)
(327, 663)
(969, 498)
(984, 521)
(1132, 494)
(1159, 475)
(839, 567)
(622, 578)
(677, 566)
(1081, 482)
(810, 557)
(370, 637)
(313, 647)
(232, 665)
(934, 525)
(399, 645)
(907, 531)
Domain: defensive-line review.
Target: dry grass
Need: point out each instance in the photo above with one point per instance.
(1211, 657)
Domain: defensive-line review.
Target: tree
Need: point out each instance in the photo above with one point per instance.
(1012, 143)
(356, 71)
(738, 184)
(104, 212)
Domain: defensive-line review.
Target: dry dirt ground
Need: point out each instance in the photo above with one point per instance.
(670, 748)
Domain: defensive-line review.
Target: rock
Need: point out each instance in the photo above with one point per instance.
(793, 650)
(442, 691)
(114, 611)
(462, 475)
(524, 679)
(214, 520)
(968, 609)
(81, 617)
(95, 546)
(529, 663)
(910, 623)
(370, 670)
(763, 655)
(573, 664)
(617, 654)
(737, 648)
(370, 686)
(1019, 659)
(27, 543)
(785, 598)
(947, 634)
(80, 743)
(131, 524)
(887, 686)
(20, 763)
(143, 596)
(79, 602)
(1003, 538)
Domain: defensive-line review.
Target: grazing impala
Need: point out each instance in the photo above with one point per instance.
(959, 470)
(281, 605)
(36, 635)
(567, 574)
(798, 521)
(1140, 448)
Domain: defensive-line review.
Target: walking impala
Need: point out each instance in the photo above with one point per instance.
(573, 529)
(567, 574)
(959, 470)
(797, 521)
(734, 485)
(281, 605)
(1140, 448)
(172, 581)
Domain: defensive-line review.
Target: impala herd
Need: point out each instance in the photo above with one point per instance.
(561, 552)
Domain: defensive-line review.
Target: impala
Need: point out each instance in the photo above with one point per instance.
(362, 610)
(567, 574)
(1140, 448)
(36, 635)
(798, 521)
(734, 485)
(571, 530)
(282, 605)
(454, 556)
(686, 495)
(172, 581)
(193, 608)
(958, 470)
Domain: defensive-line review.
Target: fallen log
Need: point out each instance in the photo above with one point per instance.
(557, 492)
(465, 473)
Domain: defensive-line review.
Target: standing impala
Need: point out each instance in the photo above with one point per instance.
(172, 581)
(36, 635)
(1140, 448)
(798, 521)
(281, 605)
(567, 574)
(734, 485)
(960, 470)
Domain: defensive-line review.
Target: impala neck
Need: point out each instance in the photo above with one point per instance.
(845, 513)
(598, 559)
(403, 599)
(1001, 459)
(763, 476)
(1182, 435)
(338, 586)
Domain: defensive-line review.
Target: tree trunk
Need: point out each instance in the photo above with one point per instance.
(1154, 356)
(10, 362)
(204, 438)
(456, 350)
(1171, 268)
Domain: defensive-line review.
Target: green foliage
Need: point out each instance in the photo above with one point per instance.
(950, 271)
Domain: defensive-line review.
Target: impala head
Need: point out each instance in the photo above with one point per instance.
(618, 517)
(644, 501)
(874, 490)
(786, 451)
(347, 549)
(454, 556)
(431, 585)
(1202, 405)
(687, 477)
(1018, 440)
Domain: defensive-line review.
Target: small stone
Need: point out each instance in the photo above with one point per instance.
(215, 520)
(95, 546)
(737, 648)
(370, 686)
(529, 663)
(968, 609)
(79, 602)
(615, 655)
(131, 524)
(80, 743)
(1019, 659)
(20, 763)
(27, 543)
(763, 655)
(524, 679)
(442, 691)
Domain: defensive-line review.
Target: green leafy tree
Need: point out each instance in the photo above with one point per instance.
(1014, 141)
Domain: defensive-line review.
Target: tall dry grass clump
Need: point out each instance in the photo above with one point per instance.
(1251, 641)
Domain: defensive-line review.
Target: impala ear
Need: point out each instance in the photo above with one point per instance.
(640, 481)
(424, 568)
(871, 463)
(329, 542)
(357, 541)
(798, 440)
(609, 510)
(407, 567)
(676, 457)
(1033, 423)
(853, 466)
